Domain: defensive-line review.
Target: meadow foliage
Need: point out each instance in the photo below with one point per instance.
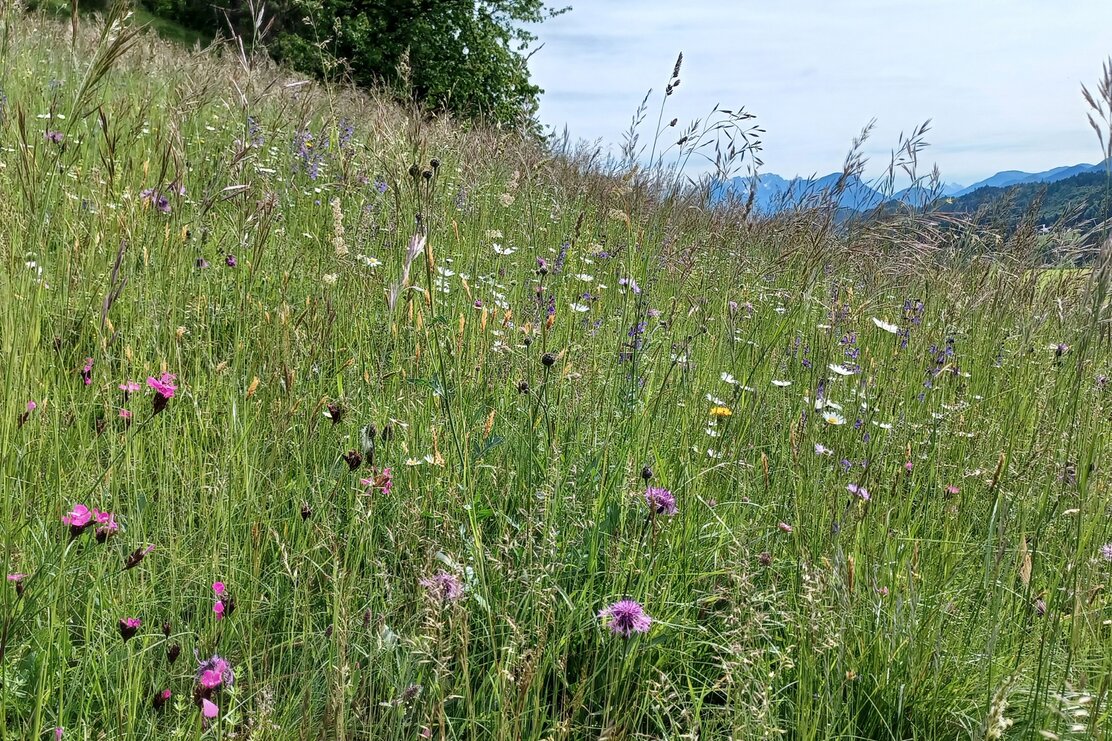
(326, 419)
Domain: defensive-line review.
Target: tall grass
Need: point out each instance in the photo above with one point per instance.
(395, 375)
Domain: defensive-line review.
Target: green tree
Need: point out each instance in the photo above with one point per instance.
(465, 56)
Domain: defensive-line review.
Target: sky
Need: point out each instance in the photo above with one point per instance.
(1000, 79)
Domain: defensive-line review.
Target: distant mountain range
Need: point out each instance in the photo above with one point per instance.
(775, 193)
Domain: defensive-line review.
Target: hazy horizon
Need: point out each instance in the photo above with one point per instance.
(1001, 81)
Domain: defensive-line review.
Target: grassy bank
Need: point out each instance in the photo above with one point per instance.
(427, 386)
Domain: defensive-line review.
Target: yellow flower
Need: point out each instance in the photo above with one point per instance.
(720, 412)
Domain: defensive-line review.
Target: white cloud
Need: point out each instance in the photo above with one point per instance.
(1000, 79)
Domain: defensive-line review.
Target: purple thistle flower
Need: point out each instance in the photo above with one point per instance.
(54, 136)
(626, 617)
(443, 587)
(660, 501)
(230, 261)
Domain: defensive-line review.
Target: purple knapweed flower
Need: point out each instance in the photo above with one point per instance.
(1106, 551)
(230, 261)
(443, 587)
(53, 136)
(626, 617)
(87, 372)
(660, 501)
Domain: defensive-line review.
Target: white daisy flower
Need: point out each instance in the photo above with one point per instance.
(781, 384)
(580, 308)
(728, 378)
(715, 400)
(833, 418)
(890, 328)
(841, 370)
(500, 250)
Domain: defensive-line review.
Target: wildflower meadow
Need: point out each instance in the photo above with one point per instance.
(324, 418)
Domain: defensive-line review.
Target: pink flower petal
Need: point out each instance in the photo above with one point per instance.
(209, 709)
(218, 587)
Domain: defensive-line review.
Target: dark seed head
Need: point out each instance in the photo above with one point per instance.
(414, 170)
(353, 458)
(765, 558)
(387, 433)
(548, 360)
(335, 413)
(523, 387)
(328, 632)
(646, 473)
(173, 653)
(167, 629)
(306, 513)
(528, 340)
(427, 174)
(434, 163)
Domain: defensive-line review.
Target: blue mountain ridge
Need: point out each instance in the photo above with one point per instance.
(775, 193)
